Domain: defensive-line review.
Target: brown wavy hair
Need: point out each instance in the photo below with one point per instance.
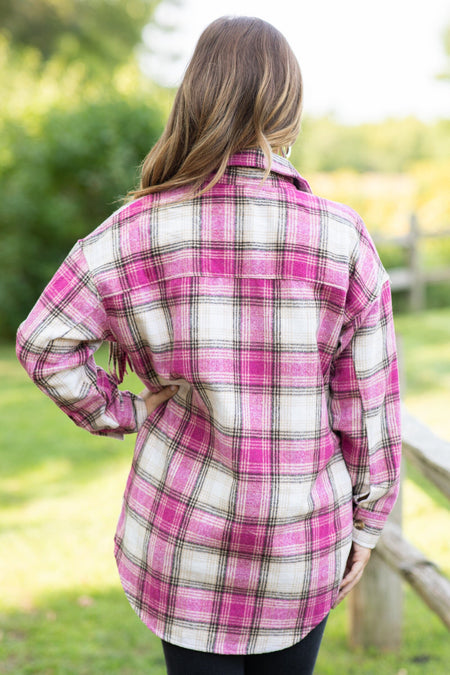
(242, 89)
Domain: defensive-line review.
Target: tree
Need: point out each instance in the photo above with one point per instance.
(76, 121)
(103, 32)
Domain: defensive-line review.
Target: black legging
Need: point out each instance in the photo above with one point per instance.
(296, 660)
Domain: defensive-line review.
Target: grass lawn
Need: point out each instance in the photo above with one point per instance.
(62, 609)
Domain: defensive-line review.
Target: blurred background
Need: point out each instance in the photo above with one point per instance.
(85, 89)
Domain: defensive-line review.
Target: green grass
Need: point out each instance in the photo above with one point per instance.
(424, 342)
(62, 609)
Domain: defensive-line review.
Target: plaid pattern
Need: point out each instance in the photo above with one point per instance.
(270, 308)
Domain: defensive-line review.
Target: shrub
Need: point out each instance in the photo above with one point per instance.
(57, 183)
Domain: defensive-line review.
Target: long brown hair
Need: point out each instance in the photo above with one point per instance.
(242, 89)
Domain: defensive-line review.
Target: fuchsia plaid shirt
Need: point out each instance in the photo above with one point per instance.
(270, 308)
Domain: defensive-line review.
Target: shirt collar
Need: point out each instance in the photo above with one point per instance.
(256, 158)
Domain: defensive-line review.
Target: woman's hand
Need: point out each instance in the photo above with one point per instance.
(152, 401)
(357, 560)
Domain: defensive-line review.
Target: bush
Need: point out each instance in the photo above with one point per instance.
(57, 183)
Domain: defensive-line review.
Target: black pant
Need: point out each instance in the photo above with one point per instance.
(296, 660)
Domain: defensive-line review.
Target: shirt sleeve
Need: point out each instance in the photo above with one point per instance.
(365, 409)
(56, 346)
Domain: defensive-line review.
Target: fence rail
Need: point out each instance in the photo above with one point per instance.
(376, 603)
(415, 568)
(429, 453)
(413, 277)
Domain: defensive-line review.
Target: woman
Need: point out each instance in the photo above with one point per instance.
(258, 316)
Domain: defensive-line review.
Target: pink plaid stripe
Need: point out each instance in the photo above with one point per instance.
(270, 308)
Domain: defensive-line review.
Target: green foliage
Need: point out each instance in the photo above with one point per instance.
(58, 183)
(77, 119)
(103, 31)
(392, 256)
(390, 146)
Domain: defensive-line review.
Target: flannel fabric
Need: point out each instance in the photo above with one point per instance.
(270, 308)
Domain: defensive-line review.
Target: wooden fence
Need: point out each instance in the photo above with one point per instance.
(376, 603)
(413, 277)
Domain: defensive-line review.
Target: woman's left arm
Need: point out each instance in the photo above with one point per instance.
(365, 412)
(56, 346)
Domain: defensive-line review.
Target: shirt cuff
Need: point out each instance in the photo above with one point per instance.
(140, 411)
(364, 535)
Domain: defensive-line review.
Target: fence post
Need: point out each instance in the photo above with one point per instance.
(376, 603)
(417, 288)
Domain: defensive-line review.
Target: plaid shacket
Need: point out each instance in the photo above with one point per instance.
(270, 308)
